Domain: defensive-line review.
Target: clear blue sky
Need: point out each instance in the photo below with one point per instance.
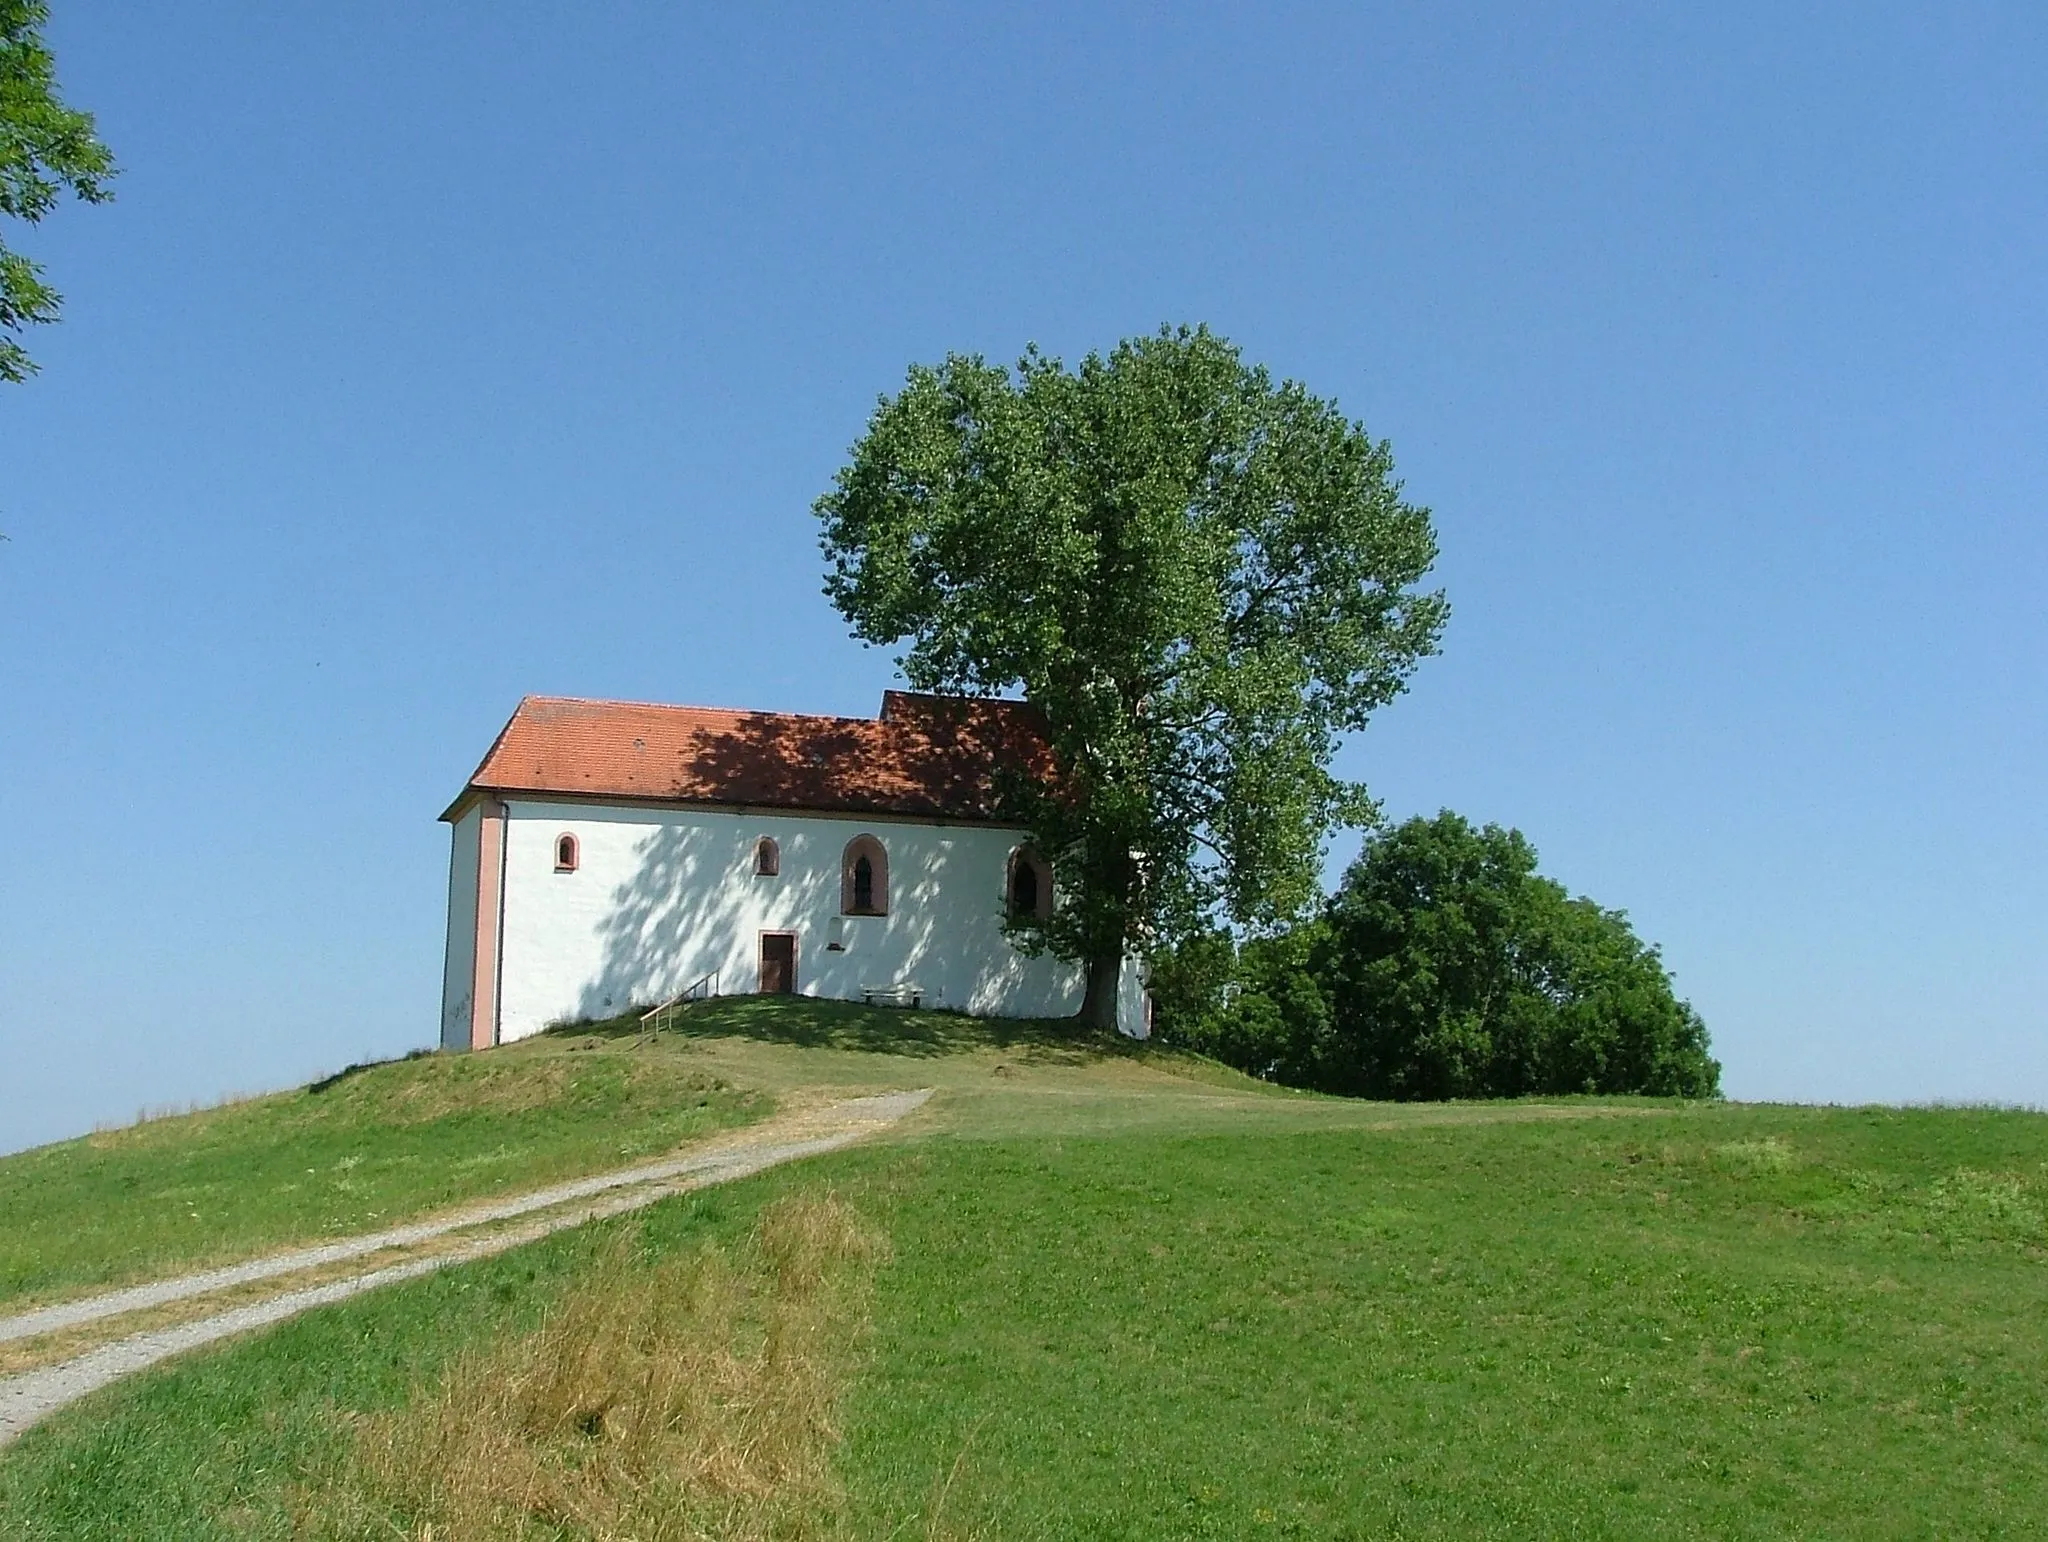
(436, 354)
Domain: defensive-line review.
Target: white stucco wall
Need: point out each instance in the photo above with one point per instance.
(662, 897)
(458, 972)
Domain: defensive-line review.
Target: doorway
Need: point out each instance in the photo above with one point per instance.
(778, 963)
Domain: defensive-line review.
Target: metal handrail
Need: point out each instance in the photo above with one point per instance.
(701, 989)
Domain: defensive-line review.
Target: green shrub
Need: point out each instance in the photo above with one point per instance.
(1444, 967)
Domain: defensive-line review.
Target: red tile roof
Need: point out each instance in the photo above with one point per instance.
(925, 756)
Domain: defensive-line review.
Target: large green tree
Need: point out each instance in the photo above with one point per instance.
(1200, 576)
(46, 150)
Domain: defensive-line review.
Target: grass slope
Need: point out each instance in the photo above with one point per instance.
(1614, 1331)
(382, 1144)
(1295, 1318)
(368, 1149)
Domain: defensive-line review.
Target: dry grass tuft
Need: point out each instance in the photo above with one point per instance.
(691, 1399)
(1772, 1154)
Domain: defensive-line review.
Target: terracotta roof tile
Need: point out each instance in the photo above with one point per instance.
(924, 756)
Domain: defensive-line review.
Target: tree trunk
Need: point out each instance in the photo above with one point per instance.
(1098, 1007)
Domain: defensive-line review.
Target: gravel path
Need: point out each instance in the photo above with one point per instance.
(33, 1395)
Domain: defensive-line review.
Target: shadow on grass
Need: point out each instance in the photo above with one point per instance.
(844, 1025)
(338, 1077)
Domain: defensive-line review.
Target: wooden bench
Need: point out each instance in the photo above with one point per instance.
(892, 995)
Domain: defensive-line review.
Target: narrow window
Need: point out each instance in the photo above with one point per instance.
(565, 853)
(767, 858)
(864, 878)
(1023, 889)
(1030, 886)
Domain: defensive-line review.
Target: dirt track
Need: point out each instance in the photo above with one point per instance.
(33, 1395)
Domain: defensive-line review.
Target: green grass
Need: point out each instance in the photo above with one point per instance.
(1707, 1322)
(386, 1143)
(1486, 1331)
(366, 1150)
(1001, 1079)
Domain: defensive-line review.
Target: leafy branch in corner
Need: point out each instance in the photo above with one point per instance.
(46, 150)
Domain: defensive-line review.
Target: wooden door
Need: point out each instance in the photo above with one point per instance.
(778, 963)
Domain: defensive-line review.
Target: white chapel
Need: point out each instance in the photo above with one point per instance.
(610, 855)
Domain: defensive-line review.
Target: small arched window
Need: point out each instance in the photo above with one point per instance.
(566, 853)
(1030, 886)
(767, 858)
(864, 878)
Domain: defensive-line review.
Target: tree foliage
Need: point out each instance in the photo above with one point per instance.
(1447, 967)
(1201, 577)
(46, 150)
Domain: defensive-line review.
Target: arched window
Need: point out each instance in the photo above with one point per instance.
(1030, 886)
(767, 858)
(864, 878)
(566, 853)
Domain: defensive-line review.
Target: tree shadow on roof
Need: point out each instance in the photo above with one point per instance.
(934, 758)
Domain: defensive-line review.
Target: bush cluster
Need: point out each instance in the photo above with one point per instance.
(1445, 966)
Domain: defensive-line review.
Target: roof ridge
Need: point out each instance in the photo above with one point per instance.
(685, 706)
(897, 690)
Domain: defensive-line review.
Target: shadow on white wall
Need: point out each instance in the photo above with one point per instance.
(694, 904)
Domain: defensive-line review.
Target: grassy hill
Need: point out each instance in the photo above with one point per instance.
(372, 1147)
(1098, 1294)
